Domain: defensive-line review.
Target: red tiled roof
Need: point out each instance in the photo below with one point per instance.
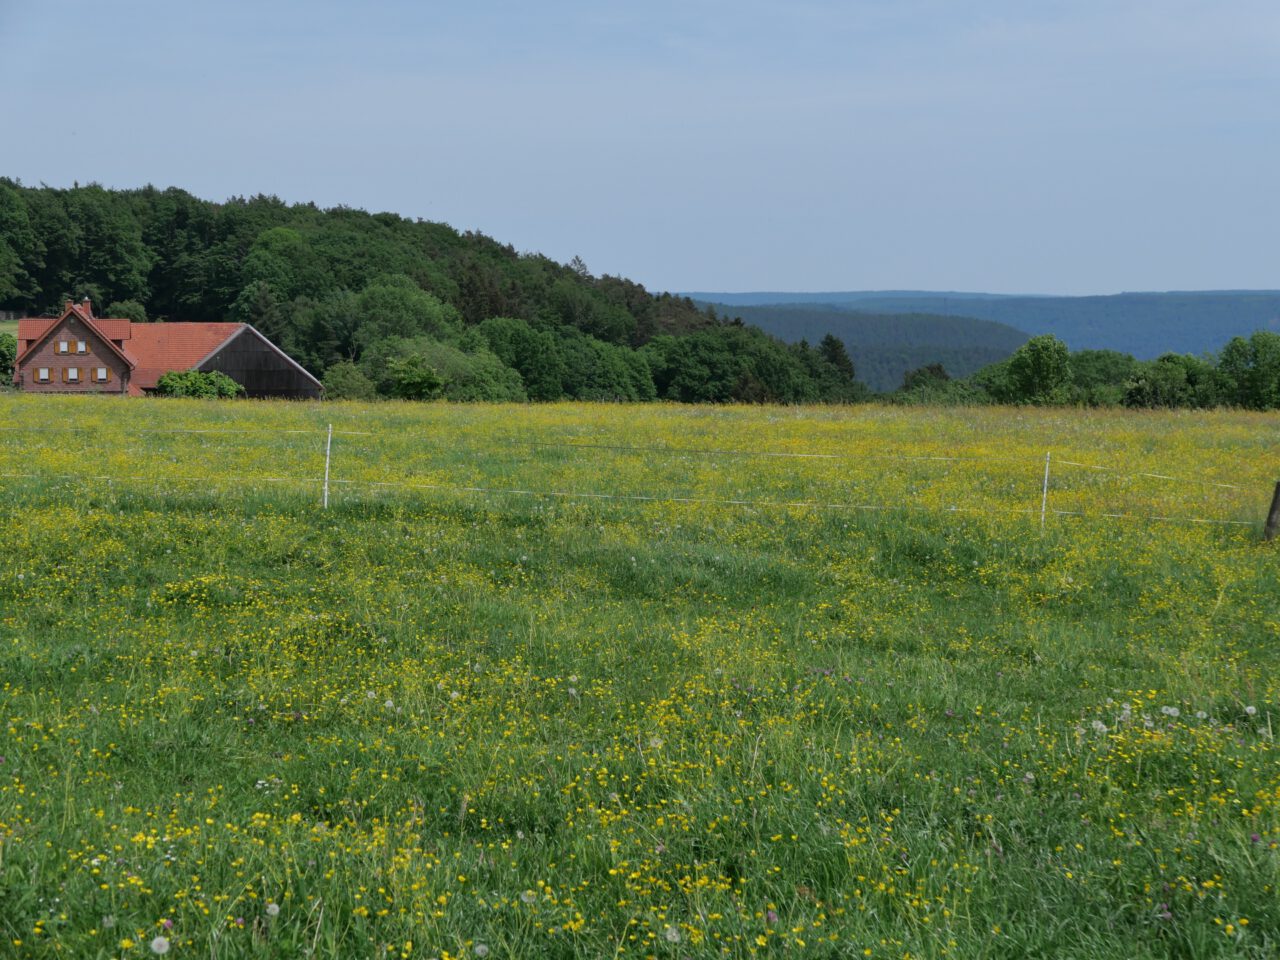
(157, 348)
(33, 328)
(150, 349)
(114, 329)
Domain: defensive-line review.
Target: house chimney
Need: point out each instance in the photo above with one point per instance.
(87, 306)
(67, 306)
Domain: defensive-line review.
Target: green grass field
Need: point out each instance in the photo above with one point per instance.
(9, 327)
(832, 692)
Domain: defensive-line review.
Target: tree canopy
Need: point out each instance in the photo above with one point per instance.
(381, 299)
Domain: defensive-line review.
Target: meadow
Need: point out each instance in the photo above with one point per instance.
(652, 681)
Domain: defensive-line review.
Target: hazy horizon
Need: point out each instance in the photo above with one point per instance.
(964, 293)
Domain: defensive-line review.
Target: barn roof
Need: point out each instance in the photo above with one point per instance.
(150, 349)
(157, 348)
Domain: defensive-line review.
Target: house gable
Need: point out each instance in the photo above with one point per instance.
(90, 362)
(262, 368)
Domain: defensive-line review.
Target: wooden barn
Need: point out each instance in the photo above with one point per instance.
(80, 353)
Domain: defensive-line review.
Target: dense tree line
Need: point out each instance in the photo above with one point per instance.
(381, 305)
(888, 345)
(1244, 374)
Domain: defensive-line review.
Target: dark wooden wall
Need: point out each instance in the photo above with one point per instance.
(262, 369)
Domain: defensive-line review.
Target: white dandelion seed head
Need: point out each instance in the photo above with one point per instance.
(480, 950)
(160, 945)
(1251, 710)
(273, 909)
(671, 935)
(528, 896)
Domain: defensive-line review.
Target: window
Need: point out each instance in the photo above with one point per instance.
(64, 346)
(73, 375)
(100, 375)
(81, 347)
(42, 375)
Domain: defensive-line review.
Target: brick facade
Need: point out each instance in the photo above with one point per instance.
(98, 356)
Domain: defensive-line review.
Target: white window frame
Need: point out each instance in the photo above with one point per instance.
(81, 347)
(73, 374)
(64, 346)
(42, 375)
(100, 375)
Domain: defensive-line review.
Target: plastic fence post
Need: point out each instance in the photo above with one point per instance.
(1044, 495)
(328, 447)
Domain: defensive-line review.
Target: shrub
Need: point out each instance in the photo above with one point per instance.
(8, 354)
(475, 375)
(413, 378)
(346, 381)
(1040, 371)
(212, 385)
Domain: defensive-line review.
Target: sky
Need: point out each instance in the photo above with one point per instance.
(1011, 146)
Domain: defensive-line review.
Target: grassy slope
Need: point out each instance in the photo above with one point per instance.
(9, 326)
(557, 727)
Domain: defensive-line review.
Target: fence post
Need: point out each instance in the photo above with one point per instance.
(328, 446)
(1273, 517)
(1044, 495)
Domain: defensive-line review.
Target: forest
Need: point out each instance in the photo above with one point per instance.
(381, 305)
(1245, 374)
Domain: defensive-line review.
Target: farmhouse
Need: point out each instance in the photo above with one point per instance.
(80, 353)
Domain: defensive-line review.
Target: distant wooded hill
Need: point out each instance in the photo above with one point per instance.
(1143, 324)
(884, 346)
(383, 305)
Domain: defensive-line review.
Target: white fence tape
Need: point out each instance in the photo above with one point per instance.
(320, 432)
(624, 497)
(665, 450)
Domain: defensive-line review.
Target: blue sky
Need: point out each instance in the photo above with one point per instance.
(1009, 146)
